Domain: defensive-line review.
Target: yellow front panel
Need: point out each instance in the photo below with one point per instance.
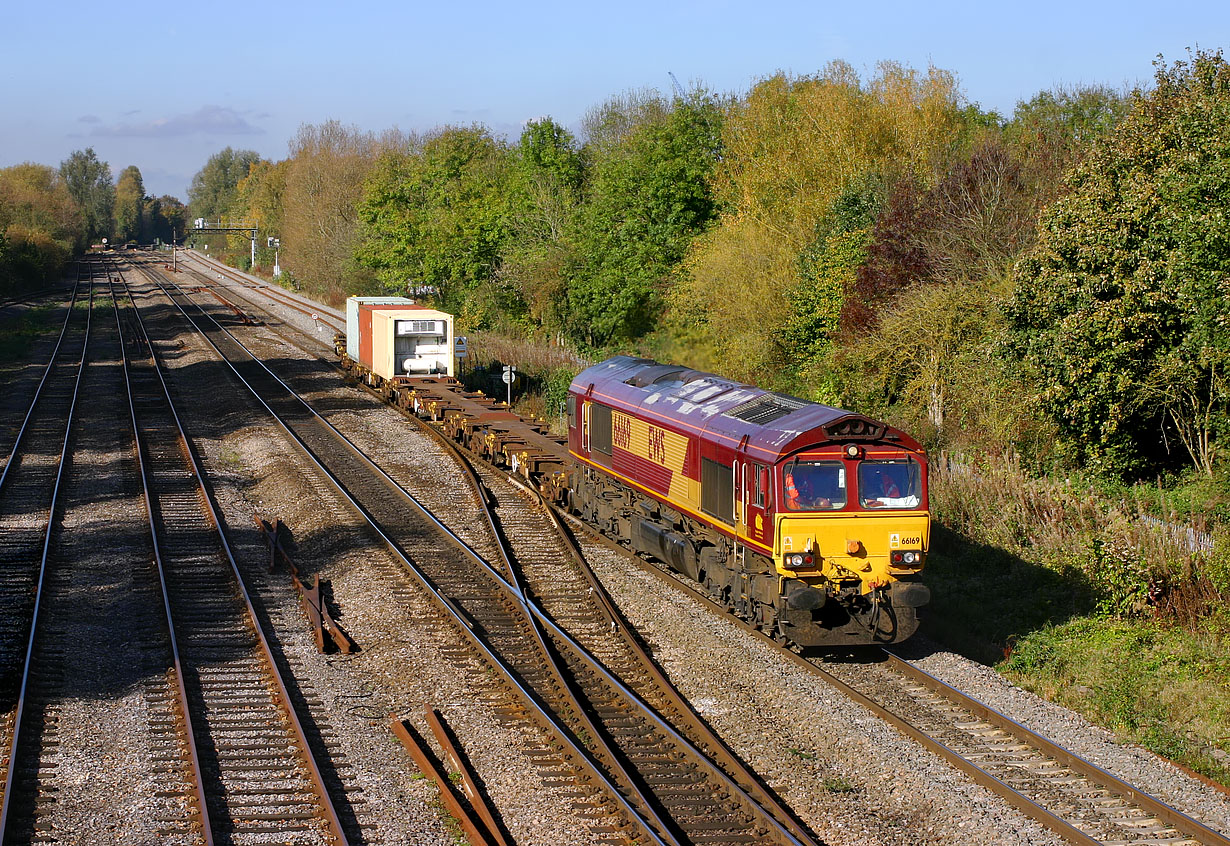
(830, 538)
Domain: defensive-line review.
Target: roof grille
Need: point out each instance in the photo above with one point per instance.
(766, 408)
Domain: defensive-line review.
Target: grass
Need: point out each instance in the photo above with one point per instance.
(838, 784)
(544, 372)
(1161, 687)
(1066, 591)
(19, 334)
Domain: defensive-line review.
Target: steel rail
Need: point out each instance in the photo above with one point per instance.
(718, 752)
(181, 689)
(1177, 819)
(21, 432)
(1006, 792)
(554, 661)
(1164, 812)
(5, 832)
(306, 756)
(563, 636)
(445, 603)
(283, 297)
(469, 779)
(473, 824)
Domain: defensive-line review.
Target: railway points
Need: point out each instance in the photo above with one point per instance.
(519, 466)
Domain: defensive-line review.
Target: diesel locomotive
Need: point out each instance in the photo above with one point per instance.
(807, 521)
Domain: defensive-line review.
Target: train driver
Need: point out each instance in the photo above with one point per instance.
(888, 486)
(815, 486)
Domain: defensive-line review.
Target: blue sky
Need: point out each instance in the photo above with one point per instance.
(164, 86)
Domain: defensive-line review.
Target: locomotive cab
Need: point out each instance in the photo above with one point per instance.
(851, 537)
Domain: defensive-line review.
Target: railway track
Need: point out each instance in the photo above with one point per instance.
(229, 760)
(257, 773)
(29, 486)
(674, 789)
(75, 647)
(1078, 801)
(1081, 802)
(325, 318)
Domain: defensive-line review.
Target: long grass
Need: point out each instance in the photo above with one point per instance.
(1074, 594)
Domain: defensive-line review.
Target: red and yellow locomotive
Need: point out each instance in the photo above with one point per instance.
(808, 521)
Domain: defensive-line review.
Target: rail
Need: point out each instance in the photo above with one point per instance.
(445, 603)
(14, 749)
(307, 759)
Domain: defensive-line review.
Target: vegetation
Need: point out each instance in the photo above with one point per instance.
(1040, 297)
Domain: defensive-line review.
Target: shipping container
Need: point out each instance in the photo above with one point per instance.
(402, 340)
(352, 318)
(365, 324)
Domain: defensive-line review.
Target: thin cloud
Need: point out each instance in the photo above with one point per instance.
(89, 119)
(208, 120)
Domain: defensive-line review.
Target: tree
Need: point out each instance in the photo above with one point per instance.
(436, 216)
(970, 226)
(649, 195)
(1051, 132)
(792, 148)
(215, 186)
(89, 184)
(129, 204)
(168, 218)
(36, 197)
(324, 181)
(41, 226)
(544, 193)
(1121, 310)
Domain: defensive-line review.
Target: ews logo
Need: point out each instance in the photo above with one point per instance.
(657, 445)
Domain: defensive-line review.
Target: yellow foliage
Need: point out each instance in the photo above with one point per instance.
(792, 147)
(323, 184)
(734, 317)
(259, 194)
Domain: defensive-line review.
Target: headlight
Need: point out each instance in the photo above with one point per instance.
(905, 558)
(798, 559)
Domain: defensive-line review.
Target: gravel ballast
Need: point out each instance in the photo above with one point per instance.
(850, 777)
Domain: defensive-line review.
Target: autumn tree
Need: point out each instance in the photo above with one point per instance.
(1050, 133)
(41, 225)
(259, 200)
(1121, 310)
(970, 225)
(323, 187)
(89, 184)
(792, 147)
